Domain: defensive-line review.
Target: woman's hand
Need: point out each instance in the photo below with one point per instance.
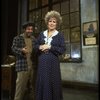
(44, 47)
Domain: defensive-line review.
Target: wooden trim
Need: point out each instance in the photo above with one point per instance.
(80, 85)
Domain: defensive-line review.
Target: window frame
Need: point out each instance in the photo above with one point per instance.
(74, 18)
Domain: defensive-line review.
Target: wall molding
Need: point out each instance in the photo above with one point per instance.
(80, 85)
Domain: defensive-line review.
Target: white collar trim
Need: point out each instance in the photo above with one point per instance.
(46, 33)
(48, 40)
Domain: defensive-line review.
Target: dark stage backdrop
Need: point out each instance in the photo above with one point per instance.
(9, 22)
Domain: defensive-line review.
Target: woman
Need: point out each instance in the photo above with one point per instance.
(49, 45)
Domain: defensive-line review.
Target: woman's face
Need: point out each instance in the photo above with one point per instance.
(52, 23)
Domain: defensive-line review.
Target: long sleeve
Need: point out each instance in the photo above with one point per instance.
(38, 42)
(16, 46)
(58, 48)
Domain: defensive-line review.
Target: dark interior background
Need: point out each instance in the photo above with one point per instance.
(9, 20)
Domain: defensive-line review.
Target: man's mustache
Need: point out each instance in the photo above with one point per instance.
(29, 32)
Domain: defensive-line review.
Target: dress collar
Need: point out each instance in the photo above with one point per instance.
(46, 33)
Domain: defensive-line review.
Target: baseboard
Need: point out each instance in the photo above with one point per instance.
(80, 85)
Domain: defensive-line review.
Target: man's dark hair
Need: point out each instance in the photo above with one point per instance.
(28, 23)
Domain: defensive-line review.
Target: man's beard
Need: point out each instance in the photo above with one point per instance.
(28, 34)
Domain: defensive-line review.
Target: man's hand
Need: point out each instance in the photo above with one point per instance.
(24, 50)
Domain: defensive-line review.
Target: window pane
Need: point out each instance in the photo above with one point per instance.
(44, 11)
(75, 50)
(44, 2)
(38, 3)
(38, 26)
(66, 33)
(74, 19)
(65, 7)
(75, 34)
(56, 7)
(66, 55)
(55, 0)
(74, 5)
(43, 26)
(32, 4)
(65, 23)
(38, 15)
(32, 16)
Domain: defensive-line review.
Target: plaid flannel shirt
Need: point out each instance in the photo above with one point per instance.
(18, 44)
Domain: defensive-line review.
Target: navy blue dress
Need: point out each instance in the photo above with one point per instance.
(48, 84)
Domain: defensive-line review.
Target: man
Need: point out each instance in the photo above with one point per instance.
(22, 47)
